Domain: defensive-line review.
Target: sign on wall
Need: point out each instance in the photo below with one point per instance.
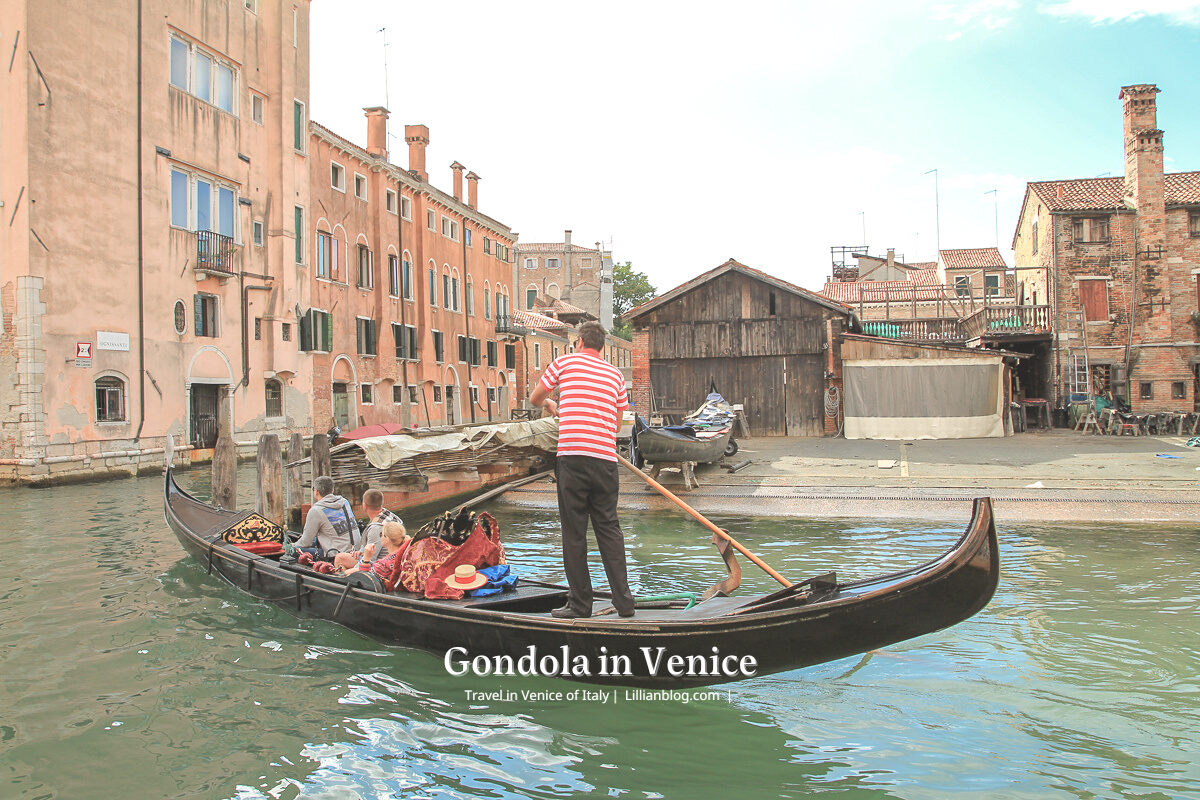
(106, 340)
(83, 354)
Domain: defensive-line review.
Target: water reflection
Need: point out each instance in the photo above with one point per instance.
(131, 673)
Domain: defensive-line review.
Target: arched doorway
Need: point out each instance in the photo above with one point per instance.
(502, 400)
(453, 415)
(344, 394)
(210, 397)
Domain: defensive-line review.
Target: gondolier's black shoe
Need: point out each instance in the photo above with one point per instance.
(625, 614)
(566, 612)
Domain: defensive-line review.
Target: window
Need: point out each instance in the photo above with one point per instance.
(180, 318)
(501, 251)
(366, 268)
(449, 228)
(256, 109)
(437, 394)
(391, 201)
(258, 329)
(393, 276)
(463, 350)
(110, 399)
(1091, 229)
(274, 394)
(431, 219)
(1035, 236)
(258, 233)
(407, 279)
(491, 394)
(991, 285)
(467, 237)
(1093, 297)
(510, 356)
(432, 288)
(470, 300)
(1178, 390)
(406, 208)
(962, 286)
(210, 79)
(446, 300)
(475, 395)
(366, 336)
(472, 351)
(397, 394)
(214, 206)
(487, 245)
(405, 339)
(413, 397)
(316, 331)
(368, 394)
(491, 353)
(531, 263)
(337, 176)
(326, 247)
(439, 354)
(1194, 224)
(298, 126)
(530, 298)
(553, 263)
(487, 300)
(454, 292)
(1146, 390)
(299, 231)
(771, 304)
(537, 355)
(206, 315)
(555, 351)
(586, 263)
(360, 187)
(179, 199)
(285, 331)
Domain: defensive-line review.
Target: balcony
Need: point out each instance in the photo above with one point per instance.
(930, 329)
(215, 254)
(506, 324)
(1001, 321)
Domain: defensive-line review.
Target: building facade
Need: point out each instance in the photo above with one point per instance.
(581, 276)
(150, 268)
(1121, 256)
(410, 319)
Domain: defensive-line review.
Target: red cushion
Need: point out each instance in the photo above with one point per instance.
(261, 548)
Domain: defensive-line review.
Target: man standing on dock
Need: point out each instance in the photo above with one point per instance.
(591, 398)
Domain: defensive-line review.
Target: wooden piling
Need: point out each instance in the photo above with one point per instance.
(268, 500)
(295, 479)
(224, 474)
(320, 455)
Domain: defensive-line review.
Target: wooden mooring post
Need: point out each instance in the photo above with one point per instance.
(224, 474)
(268, 500)
(295, 480)
(320, 455)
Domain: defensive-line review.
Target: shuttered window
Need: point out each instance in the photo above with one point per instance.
(316, 331)
(405, 339)
(1093, 296)
(366, 336)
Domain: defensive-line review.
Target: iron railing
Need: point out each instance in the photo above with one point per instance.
(215, 253)
(506, 324)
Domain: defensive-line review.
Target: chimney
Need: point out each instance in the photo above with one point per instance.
(458, 170)
(473, 190)
(567, 238)
(891, 262)
(417, 137)
(1143, 150)
(377, 131)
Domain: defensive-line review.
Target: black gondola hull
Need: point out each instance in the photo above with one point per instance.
(792, 633)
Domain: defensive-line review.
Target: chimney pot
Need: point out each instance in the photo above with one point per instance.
(377, 117)
(417, 137)
(473, 190)
(458, 176)
(567, 238)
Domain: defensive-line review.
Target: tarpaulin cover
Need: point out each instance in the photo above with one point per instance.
(939, 398)
(384, 451)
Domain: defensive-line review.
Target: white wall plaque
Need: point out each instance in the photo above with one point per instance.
(106, 340)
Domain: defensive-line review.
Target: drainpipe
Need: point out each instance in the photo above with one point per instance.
(245, 331)
(141, 278)
(403, 317)
(1054, 218)
(467, 317)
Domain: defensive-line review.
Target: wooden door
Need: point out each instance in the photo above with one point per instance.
(341, 406)
(804, 396)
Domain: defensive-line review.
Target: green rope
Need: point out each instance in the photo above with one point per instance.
(691, 597)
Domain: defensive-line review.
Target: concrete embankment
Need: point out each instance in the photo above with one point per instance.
(1054, 476)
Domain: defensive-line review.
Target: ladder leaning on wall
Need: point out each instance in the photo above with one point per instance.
(1079, 379)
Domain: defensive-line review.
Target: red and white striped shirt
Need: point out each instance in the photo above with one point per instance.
(591, 398)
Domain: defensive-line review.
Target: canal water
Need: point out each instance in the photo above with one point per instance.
(129, 673)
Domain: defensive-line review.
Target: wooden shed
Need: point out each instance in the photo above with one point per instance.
(759, 341)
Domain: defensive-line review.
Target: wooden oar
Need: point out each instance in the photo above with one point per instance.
(700, 518)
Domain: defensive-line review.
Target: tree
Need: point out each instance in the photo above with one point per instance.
(630, 289)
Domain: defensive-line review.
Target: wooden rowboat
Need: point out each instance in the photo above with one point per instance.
(812, 622)
(665, 445)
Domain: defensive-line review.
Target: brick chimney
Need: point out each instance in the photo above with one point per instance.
(377, 118)
(1144, 155)
(473, 190)
(458, 175)
(417, 137)
(567, 238)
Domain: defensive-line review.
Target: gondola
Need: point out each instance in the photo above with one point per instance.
(814, 621)
(673, 444)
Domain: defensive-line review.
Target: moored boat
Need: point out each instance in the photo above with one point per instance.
(717, 640)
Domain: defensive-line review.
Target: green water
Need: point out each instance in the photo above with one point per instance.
(129, 673)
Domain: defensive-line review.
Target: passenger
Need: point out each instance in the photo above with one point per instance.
(330, 527)
(376, 515)
(394, 537)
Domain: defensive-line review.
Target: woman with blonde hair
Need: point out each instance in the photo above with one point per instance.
(393, 537)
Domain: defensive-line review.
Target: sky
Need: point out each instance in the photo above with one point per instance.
(685, 134)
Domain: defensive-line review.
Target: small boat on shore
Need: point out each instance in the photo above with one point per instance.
(716, 640)
(703, 437)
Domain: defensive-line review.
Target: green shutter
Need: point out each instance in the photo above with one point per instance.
(299, 235)
(299, 125)
(306, 332)
(412, 341)
(199, 329)
(327, 345)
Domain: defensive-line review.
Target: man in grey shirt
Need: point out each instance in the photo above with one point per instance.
(330, 527)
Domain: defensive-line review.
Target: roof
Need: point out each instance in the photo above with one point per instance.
(732, 266)
(538, 321)
(1108, 194)
(924, 283)
(551, 247)
(972, 258)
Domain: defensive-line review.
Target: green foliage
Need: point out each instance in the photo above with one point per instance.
(623, 330)
(630, 288)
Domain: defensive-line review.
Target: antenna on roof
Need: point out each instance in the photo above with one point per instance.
(386, 101)
(996, 202)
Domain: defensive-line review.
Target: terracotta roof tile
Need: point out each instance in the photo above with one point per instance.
(551, 247)
(972, 258)
(850, 292)
(538, 321)
(1108, 194)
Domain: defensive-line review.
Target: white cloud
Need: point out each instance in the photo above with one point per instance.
(990, 14)
(1179, 12)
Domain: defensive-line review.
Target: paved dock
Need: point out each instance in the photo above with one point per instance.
(1056, 475)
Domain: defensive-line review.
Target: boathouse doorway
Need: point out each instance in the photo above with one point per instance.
(205, 417)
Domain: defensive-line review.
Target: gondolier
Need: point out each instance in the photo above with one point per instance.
(591, 397)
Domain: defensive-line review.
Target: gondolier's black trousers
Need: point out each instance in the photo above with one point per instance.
(587, 489)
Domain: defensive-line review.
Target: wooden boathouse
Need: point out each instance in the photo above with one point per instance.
(757, 340)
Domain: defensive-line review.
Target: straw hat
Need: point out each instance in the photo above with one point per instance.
(466, 577)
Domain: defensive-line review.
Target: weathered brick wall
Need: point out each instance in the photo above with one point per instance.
(641, 370)
(9, 400)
